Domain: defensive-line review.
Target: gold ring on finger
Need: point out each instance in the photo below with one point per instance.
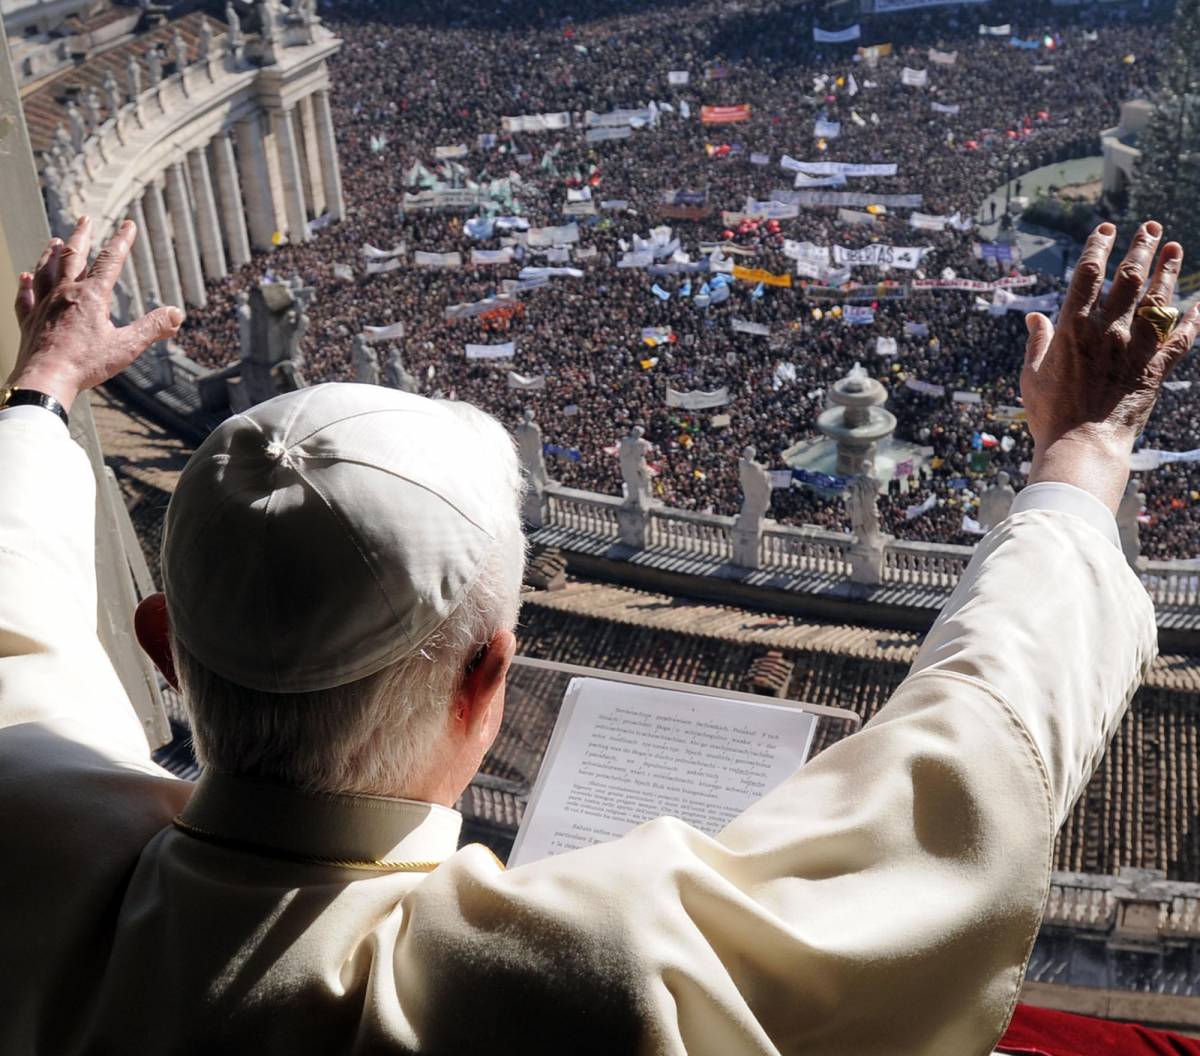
(1164, 320)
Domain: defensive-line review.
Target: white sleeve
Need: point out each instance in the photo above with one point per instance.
(1066, 498)
(31, 413)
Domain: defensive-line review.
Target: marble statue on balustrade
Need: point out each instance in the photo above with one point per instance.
(1132, 503)
(364, 361)
(756, 490)
(180, 50)
(62, 149)
(396, 375)
(155, 66)
(272, 321)
(91, 107)
(235, 25)
(58, 207)
(79, 129)
(204, 44)
(996, 502)
(756, 501)
(531, 453)
(531, 450)
(112, 94)
(866, 553)
(635, 471)
(133, 78)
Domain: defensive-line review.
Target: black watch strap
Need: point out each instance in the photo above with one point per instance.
(32, 398)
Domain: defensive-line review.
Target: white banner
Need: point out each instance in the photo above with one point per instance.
(826, 130)
(383, 333)
(536, 122)
(492, 256)
(525, 382)
(886, 7)
(1003, 301)
(916, 329)
(504, 351)
(926, 388)
(601, 135)
(913, 512)
(837, 36)
(943, 58)
(914, 78)
(457, 150)
(858, 314)
(344, 272)
(945, 108)
(641, 258)
(678, 78)
(878, 255)
(850, 198)
(527, 274)
(743, 326)
(371, 253)
(379, 267)
(807, 251)
(697, 400)
(966, 397)
(995, 31)
(760, 159)
(885, 346)
(928, 222)
(619, 118)
(837, 168)
(770, 210)
(853, 216)
(562, 235)
(974, 285)
(436, 260)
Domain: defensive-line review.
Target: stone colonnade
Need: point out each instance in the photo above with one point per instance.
(262, 178)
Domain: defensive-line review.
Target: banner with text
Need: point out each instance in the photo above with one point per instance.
(724, 115)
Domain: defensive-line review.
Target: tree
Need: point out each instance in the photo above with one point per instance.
(1167, 175)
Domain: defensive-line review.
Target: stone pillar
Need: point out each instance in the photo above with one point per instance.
(143, 256)
(187, 254)
(127, 303)
(229, 194)
(208, 226)
(633, 525)
(289, 170)
(170, 291)
(256, 182)
(314, 187)
(331, 176)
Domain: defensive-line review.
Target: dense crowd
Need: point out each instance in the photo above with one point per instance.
(411, 77)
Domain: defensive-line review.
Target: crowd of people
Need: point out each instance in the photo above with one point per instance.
(412, 77)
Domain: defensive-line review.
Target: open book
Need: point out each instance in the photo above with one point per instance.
(624, 754)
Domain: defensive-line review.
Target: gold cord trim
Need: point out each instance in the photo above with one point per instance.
(366, 864)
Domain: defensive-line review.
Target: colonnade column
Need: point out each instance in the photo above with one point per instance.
(133, 291)
(331, 176)
(169, 288)
(260, 208)
(314, 187)
(143, 257)
(186, 251)
(208, 227)
(289, 171)
(229, 194)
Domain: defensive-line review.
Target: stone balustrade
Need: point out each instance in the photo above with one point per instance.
(789, 549)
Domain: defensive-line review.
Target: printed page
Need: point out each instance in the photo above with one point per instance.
(621, 755)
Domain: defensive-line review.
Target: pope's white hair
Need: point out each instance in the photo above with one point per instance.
(375, 735)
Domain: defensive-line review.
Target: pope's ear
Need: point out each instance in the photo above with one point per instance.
(153, 629)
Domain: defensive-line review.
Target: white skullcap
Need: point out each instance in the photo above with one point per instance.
(324, 534)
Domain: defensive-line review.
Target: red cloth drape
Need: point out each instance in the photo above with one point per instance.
(1041, 1032)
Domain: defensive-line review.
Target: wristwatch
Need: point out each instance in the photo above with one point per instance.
(14, 397)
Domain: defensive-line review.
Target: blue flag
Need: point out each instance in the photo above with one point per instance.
(686, 289)
(757, 292)
(659, 292)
